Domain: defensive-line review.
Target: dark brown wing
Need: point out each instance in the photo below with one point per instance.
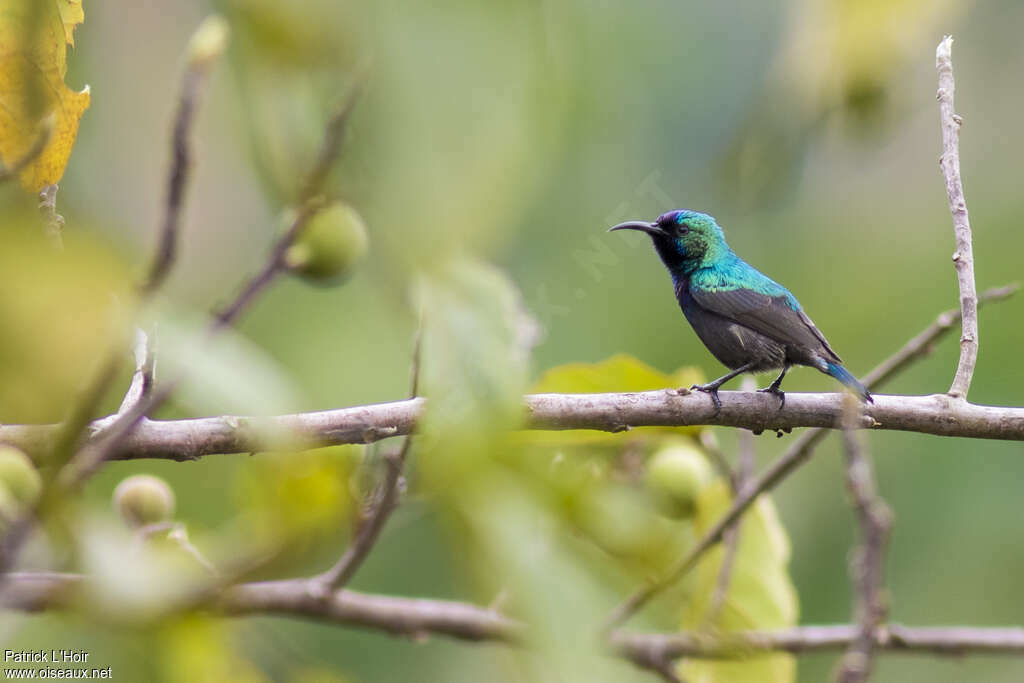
(778, 317)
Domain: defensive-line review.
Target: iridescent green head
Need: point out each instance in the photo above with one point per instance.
(685, 239)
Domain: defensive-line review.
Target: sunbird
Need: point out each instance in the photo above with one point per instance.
(748, 321)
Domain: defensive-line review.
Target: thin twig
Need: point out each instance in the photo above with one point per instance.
(720, 461)
(867, 565)
(948, 641)
(273, 267)
(334, 134)
(382, 503)
(923, 343)
(664, 668)
(745, 461)
(963, 258)
(177, 178)
(38, 591)
(178, 534)
(796, 455)
(143, 377)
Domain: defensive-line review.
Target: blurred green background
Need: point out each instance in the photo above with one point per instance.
(518, 132)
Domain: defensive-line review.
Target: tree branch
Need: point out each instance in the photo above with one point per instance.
(745, 462)
(197, 437)
(382, 503)
(952, 641)
(196, 69)
(398, 616)
(963, 258)
(143, 377)
(34, 592)
(867, 567)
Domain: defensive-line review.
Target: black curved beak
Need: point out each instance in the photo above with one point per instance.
(651, 229)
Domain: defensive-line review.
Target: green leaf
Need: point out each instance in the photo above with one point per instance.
(760, 593)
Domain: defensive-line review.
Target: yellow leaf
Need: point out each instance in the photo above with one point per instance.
(34, 35)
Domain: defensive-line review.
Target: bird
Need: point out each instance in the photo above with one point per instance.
(748, 321)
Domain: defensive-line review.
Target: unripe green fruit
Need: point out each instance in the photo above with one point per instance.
(19, 478)
(330, 245)
(675, 476)
(143, 499)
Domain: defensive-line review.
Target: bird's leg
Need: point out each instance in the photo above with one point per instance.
(712, 387)
(773, 388)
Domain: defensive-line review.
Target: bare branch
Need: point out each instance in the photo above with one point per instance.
(798, 453)
(720, 461)
(416, 618)
(177, 178)
(745, 462)
(334, 135)
(273, 267)
(921, 345)
(952, 641)
(382, 503)
(963, 258)
(197, 437)
(398, 616)
(142, 379)
(867, 566)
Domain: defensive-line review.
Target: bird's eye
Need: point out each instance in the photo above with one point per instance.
(683, 228)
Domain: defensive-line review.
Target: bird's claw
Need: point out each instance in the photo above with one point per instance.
(776, 392)
(712, 390)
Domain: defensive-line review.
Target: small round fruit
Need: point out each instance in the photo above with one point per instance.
(18, 476)
(330, 245)
(143, 499)
(675, 476)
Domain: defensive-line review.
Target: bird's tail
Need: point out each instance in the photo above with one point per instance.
(844, 376)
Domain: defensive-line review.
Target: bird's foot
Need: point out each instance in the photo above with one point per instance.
(774, 390)
(711, 389)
